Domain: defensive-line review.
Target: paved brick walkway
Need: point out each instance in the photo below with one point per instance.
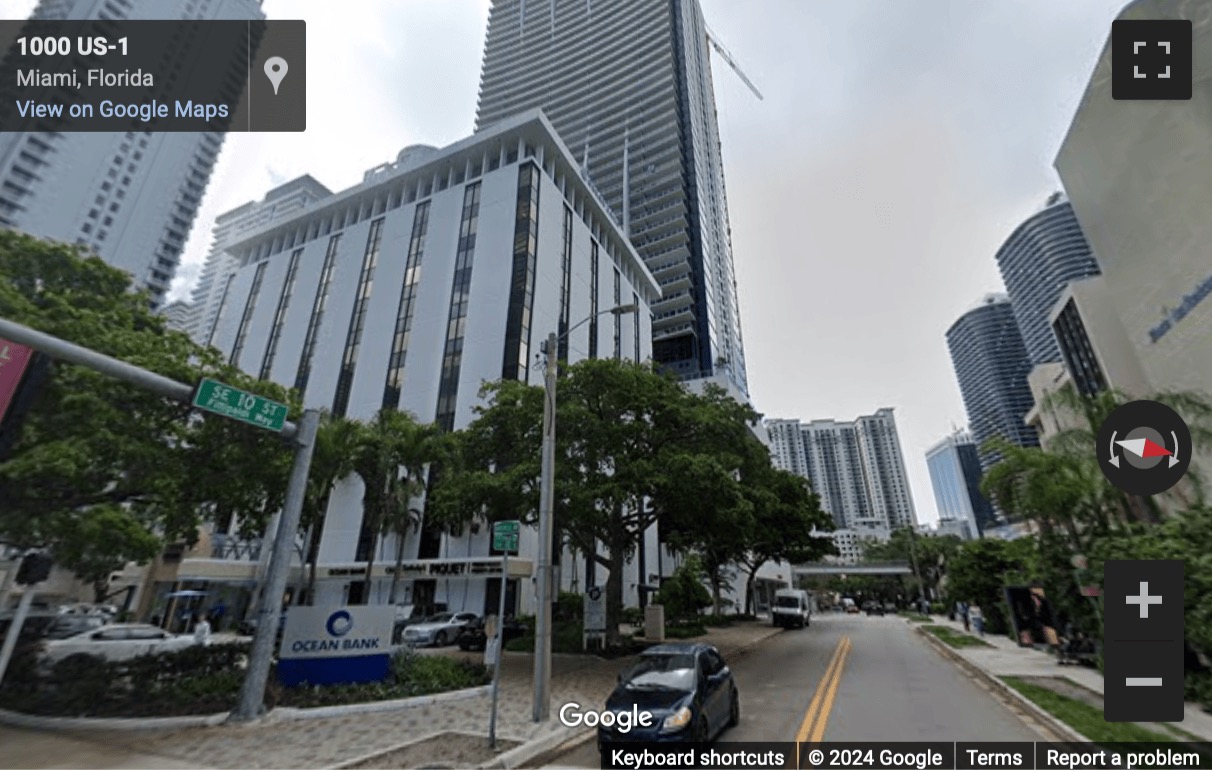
(322, 743)
(1007, 658)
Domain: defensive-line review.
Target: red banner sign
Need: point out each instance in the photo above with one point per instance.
(14, 359)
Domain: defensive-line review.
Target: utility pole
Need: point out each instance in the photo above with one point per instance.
(252, 692)
(542, 623)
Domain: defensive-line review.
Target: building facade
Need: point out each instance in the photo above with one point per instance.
(435, 274)
(283, 201)
(856, 468)
(1037, 261)
(991, 365)
(628, 86)
(955, 475)
(129, 197)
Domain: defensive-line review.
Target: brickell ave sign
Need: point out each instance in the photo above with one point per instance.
(213, 396)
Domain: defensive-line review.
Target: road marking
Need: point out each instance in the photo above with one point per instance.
(821, 687)
(822, 719)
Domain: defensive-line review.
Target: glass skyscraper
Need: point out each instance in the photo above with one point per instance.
(627, 86)
(991, 364)
(1041, 256)
(955, 475)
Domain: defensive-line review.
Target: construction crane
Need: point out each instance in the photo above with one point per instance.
(723, 52)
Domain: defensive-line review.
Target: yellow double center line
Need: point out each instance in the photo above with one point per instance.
(812, 729)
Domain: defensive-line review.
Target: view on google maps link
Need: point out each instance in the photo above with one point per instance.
(606, 384)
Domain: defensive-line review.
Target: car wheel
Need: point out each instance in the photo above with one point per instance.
(440, 640)
(734, 711)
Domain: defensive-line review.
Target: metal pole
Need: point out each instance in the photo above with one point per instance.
(74, 354)
(496, 675)
(252, 692)
(542, 636)
(10, 641)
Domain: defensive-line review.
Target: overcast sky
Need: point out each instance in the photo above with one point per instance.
(898, 144)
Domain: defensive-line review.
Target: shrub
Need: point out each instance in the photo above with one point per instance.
(568, 607)
(633, 616)
(684, 594)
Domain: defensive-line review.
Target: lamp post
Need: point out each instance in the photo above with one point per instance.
(542, 622)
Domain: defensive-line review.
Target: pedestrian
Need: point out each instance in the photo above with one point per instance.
(216, 615)
(978, 619)
(963, 608)
(202, 630)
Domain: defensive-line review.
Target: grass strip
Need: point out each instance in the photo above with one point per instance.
(1084, 718)
(955, 639)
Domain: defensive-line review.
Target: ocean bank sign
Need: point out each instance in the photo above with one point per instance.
(336, 645)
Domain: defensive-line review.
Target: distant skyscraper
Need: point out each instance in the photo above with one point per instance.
(627, 85)
(1037, 261)
(991, 365)
(856, 468)
(955, 474)
(282, 201)
(131, 197)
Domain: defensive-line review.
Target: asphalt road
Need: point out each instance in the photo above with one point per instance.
(884, 683)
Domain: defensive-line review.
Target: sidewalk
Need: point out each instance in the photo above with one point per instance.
(1007, 658)
(327, 742)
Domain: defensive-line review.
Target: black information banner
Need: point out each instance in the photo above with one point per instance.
(104, 75)
(909, 756)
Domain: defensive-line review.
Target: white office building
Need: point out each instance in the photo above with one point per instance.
(858, 470)
(129, 197)
(437, 273)
(283, 201)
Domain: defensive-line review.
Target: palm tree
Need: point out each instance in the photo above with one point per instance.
(420, 446)
(331, 461)
(378, 455)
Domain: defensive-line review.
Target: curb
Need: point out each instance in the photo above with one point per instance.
(274, 716)
(558, 743)
(1062, 730)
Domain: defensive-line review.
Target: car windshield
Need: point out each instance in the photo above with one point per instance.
(440, 618)
(662, 672)
(787, 601)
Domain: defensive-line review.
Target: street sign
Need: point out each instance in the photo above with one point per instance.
(595, 610)
(505, 536)
(213, 396)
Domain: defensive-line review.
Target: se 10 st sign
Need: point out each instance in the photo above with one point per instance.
(213, 396)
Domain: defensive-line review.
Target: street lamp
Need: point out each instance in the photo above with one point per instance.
(542, 623)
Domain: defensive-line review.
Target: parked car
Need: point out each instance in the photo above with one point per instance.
(688, 689)
(407, 615)
(875, 608)
(472, 636)
(439, 630)
(71, 624)
(117, 641)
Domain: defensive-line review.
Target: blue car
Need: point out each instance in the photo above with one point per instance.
(686, 687)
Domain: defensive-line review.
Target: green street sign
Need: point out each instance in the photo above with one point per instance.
(218, 398)
(505, 536)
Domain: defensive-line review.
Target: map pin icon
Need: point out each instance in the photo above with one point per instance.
(275, 70)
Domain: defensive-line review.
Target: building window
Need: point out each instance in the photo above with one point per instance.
(452, 359)
(1078, 352)
(408, 295)
(618, 318)
(593, 300)
(565, 287)
(635, 326)
(210, 337)
(357, 318)
(246, 320)
(275, 333)
(317, 313)
(521, 287)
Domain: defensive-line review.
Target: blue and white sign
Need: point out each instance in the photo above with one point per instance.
(336, 645)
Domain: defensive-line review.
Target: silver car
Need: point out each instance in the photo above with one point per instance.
(439, 631)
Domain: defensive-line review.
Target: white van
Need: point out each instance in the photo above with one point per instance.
(792, 608)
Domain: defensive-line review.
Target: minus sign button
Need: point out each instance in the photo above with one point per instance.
(1143, 681)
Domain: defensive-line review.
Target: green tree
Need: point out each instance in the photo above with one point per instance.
(978, 575)
(683, 595)
(108, 538)
(420, 447)
(930, 552)
(332, 460)
(92, 445)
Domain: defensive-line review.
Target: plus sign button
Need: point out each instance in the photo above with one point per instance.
(1151, 59)
(1143, 600)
